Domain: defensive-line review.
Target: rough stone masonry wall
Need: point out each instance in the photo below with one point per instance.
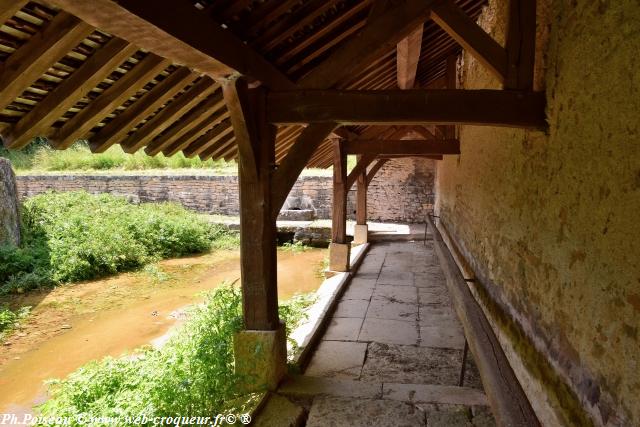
(549, 221)
(401, 191)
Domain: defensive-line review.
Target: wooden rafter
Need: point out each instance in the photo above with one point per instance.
(8, 8)
(194, 118)
(126, 86)
(471, 37)
(407, 58)
(186, 35)
(521, 44)
(471, 107)
(161, 121)
(213, 120)
(117, 129)
(382, 33)
(402, 147)
(40, 52)
(209, 139)
(63, 97)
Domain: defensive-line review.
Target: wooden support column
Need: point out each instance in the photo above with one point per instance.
(361, 230)
(339, 249)
(263, 332)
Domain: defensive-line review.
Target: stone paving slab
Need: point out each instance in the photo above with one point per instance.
(391, 276)
(381, 308)
(343, 329)
(412, 365)
(352, 308)
(428, 393)
(392, 293)
(394, 325)
(302, 385)
(442, 337)
(340, 412)
(389, 331)
(338, 359)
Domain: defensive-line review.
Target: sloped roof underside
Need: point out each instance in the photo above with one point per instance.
(110, 92)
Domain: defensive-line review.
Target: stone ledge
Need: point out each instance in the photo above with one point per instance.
(329, 293)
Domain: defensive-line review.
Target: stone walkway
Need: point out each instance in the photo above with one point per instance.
(392, 354)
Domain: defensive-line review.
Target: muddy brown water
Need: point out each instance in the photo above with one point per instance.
(73, 325)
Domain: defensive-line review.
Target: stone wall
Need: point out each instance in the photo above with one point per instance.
(401, 191)
(549, 221)
(9, 215)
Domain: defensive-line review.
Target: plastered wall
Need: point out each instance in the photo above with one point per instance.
(550, 222)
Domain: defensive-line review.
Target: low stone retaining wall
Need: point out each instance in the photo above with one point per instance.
(401, 191)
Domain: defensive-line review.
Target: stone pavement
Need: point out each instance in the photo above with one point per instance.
(392, 354)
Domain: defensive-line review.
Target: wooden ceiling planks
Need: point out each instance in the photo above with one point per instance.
(297, 37)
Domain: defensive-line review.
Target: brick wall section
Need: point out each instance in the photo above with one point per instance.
(401, 191)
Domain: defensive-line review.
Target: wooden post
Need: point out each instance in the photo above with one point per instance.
(339, 249)
(261, 349)
(361, 230)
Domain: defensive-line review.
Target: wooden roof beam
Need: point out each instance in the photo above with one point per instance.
(8, 8)
(360, 167)
(191, 120)
(44, 114)
(38, 54)
(289, 170)
(215, 119)
(375, 168)
(116, 130)
(183, 33)
(135, 79)
(521, 44)
(407, 58)
(169, 114)
(445, 106)
(218, 135)
(392, 22)
(402, 146)
(448, 15)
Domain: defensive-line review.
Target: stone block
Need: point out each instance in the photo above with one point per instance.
(360, 234)
(339, 256)
(261, 358)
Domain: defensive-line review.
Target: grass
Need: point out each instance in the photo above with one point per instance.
(69, 237)
(39, 157)
(192, 375)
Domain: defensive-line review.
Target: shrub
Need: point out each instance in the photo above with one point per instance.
(191, 375)
(77, 236)
(10, 319)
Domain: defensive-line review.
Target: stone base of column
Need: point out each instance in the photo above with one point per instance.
(261, 358)
(339, 256)
(360, 234)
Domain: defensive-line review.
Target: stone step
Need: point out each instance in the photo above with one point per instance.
(307, 386)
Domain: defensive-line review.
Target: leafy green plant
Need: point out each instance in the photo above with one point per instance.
(9, 319)
(193, 374)
(76, 236)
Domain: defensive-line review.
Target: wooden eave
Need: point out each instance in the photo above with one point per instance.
(292, 38)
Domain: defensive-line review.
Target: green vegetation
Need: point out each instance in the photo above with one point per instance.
(9, 320)
(39, 156)
(68, 237)
(295, 247)
(191, 375)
